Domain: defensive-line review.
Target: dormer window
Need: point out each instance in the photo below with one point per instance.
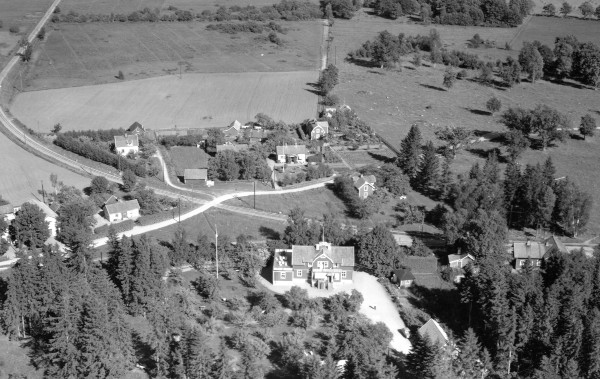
(309, 264)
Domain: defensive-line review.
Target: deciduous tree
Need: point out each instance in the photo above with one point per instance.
(587, 126)
(30, 228)
(565, 9)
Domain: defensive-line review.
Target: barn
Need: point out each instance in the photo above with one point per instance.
(195, 176)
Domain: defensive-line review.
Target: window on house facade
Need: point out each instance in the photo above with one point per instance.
(309, 264)
(522, 263)
(282, 275)
(336, 265)
(325, 264)
(539, 262)
(299, 273)
(343, 274)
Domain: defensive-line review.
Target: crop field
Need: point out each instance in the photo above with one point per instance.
(187, 157)
(391, 101)
(126, 6)
(546, 29)
(196, 100)
(85, 54)
(22, 174)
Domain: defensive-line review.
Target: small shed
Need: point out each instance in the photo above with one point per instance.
(402, 277)
(195, 176)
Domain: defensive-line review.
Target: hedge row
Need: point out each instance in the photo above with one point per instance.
(124, 226)
(107, 135)
(95, 153)
(165, 215)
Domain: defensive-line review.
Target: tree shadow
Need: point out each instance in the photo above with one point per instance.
(478, 112)
(442, 304)
(376, 72)
(576, 137)
(432, 87)
(166, 244)
(567, 83)
(594, 111)
(267, 271)
(381, 158)
(269, 233)
(143, 351)
(362, 62)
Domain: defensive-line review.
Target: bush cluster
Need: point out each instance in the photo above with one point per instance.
(246, 27)
(312, 172)
(187, 140)
(289, 10)
(95, 153)
(96, 135)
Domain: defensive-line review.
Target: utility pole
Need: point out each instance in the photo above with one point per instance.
(179, 206)
(43, 192)
(255, 194)
(217, 250)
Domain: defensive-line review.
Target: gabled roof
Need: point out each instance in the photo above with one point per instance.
(459, 257)
(236, 125)
(291, 150)
(344, 255)
(421, 265)
(135, 126)
(232, 147)
(529, 250)
(111, 200)
(362, 180)
(403, 274)
(557, 244)
(434, 331)
(195, 174)
(122, 206)
(127, 141)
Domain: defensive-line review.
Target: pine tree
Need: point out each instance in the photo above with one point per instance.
(141, 279)
(549, 172)
(124, 269)
(468, 363)
(512, 181)
(221, 367)
(571, 370)
(175, 361)
(62, 355)
(446, 180)
(591, 345)
(180, 250)
(197, 356)
(114, 246)
(421, 359)
(410, 150)
(547, 370)
(428, 177)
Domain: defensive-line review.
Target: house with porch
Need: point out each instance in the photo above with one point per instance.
(316, 129)
(402, 277)
(321, 265)
(529, 251)
(295, 154)
(127, 144)
(122, 210)
(460, 260)
(365, 185)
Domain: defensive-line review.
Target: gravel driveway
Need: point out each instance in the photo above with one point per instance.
(378, 306)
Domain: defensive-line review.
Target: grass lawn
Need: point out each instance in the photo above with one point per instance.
(199, 100)
(84, 54)
(228, 223)
(359, 158)
(546, 29)
(14, 360)
(187, 157)
(391, 101)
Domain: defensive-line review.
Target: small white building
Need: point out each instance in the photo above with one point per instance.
(127, 144)
(295, 154)
(122, 210)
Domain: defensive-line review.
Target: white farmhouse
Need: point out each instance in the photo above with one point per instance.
(122, 210)
(127, 144)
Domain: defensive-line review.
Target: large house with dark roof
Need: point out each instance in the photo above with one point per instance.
(321, 265)
(317, 129)
(402, 277)
(136, 128)
(122, 210)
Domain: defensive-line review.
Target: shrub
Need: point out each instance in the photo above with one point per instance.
(493, 104)
(331, 100)
(462, 74)
(14, 29)
(120, 75)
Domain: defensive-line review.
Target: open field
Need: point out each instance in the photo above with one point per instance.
(391, 101)
(84, 54)
(22, 174)
(21, 13)
(546, 29)
(539, 5)
(228, 223)
(197, 100)
(126, 6)
(14, 360)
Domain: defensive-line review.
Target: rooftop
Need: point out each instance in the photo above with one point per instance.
(291, 150)
(126, 141)
(344, 255)
(402, 274)
(122, 206)
(529, 250)
(433, 330)
(195, 174)
(232, 147)
(136, 125)
(360, 181)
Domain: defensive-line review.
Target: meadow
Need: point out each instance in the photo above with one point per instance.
(195, 101)
(546, 29)
(22, 174)
(85, 54)
(391, 101)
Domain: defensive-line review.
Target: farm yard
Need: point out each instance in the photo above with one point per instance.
(196, 101)
(85, 54)
(393, 100)
(183, 157)
(22, 174)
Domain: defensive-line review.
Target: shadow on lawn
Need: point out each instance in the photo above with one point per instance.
(478, 112)
(269, 233)
(432, 87)
(381, 158)
(442, 304)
